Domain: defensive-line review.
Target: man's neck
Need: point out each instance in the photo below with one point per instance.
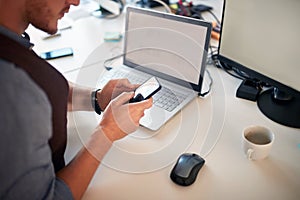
(11, 16)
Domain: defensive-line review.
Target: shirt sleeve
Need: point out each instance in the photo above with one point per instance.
(61, 190)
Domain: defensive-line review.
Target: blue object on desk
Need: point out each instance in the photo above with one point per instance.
(112, 36)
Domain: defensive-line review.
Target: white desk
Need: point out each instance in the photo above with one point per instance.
(138, 166)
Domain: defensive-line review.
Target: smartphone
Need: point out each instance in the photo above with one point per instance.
(58, 53)
(146, 90)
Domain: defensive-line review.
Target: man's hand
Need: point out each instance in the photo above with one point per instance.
(113, 89)
(121, 118)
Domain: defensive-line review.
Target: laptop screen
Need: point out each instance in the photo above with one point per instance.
(168, 46)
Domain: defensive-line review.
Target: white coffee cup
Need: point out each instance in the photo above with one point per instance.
(257, 142)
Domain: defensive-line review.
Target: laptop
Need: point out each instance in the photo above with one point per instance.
(169, 47)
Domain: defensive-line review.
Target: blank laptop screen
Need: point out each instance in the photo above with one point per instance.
(168, 44)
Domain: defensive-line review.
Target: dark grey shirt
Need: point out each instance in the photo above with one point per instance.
(26, 170)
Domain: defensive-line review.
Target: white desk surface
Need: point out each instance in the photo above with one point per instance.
(138, 167)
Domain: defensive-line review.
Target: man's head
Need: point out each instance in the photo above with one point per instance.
(43, 14)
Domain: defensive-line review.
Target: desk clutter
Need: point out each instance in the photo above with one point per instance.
(188, 9)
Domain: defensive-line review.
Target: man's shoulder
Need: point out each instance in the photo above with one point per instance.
(13, 76)
(20, 91)
(9, 71)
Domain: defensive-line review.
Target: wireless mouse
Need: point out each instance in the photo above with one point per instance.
(186, 169)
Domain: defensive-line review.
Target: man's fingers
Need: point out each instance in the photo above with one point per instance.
(124, 83)
(124, 98)
(145, 104)
(135, 86)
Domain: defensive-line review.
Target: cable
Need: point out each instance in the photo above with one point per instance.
(111, 59)
(238, 73)
(211, 53)
(168, 9)
(143, 4)
(91, 64)
(218, 64)
(216, 18)
(209, 86)
(209, 61)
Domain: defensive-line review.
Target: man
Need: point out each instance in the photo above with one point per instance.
(33, 112)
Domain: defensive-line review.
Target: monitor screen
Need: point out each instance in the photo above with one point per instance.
(261, 38)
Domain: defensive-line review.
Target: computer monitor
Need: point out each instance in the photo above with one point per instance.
(262, 39)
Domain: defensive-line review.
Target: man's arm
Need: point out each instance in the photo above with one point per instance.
(80, 97)
(79, 172)
(119, 119)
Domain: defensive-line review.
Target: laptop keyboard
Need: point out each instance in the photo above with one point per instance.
(165, 98)
(134, 78)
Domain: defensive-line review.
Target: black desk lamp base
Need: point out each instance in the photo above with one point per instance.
(282, 111)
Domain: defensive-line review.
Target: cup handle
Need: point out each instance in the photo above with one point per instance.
(249, 154)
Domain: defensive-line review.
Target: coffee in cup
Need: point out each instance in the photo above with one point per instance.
(257, 142)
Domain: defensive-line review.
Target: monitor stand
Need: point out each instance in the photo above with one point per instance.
(279, 107)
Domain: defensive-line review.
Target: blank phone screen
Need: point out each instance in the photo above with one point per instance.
(147, 88)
